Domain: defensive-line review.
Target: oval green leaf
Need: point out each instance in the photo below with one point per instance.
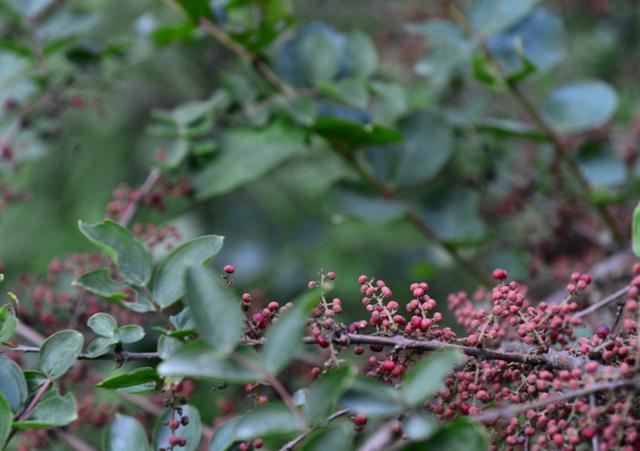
(13, 386)
(214, 307)
(125, 434)
(425, 378)
(167, 285)
(59, 352)
(119, 244)
(103, 324)
(283, 339)
(580, 106)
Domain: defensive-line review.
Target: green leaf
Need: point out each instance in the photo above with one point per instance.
(360, 55)
(601, 165)
(533, 46)
(425, 378)
(372, 399)
(334, 437)
(103, 324)
(52, 411)
(419, 426)
(427, 146)
(492, 16)
(368, 208)
(101, 346)
(349, 135)
(318, 55)
(214, 307)
(247, 154)
(139, 376)
(13, 386)
(284, 339)
(225, 435)
(119, 244)
(130, 333)
(323, 395)
(99, 282)
(635, 231)
(460, 434)
(267, 420)
(196, 9)
(125, 434)
(59, 352)
(167, 346)
(580, 106)
(453, 214)
(509, 128)
(167, 285)
(34, 379)
(198, 360)
(8, 323)
(192, 432)
(5, 419)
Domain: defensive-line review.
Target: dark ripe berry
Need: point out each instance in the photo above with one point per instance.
(184, 420)
(500, 274)
(376, 348)
(229, 269)
(603, 331)
(257, 443)
(182, 441)
(173, 424)
(360, 420)
(322, 342)
(174, 440)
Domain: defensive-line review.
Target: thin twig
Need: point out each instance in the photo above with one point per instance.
(32, 405)
(613, 297)
(290, 445)
(595, 443)
(118, 356)
(132, 206)
(274, 382)
(511, 410)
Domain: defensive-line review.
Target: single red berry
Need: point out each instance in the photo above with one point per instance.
(331, 275)
(360, 420)
(603, 331)
(500, 274)
(174, 440)
(229, 269)
(257, 443)
(315, 371)
(173, 424)
(388, 365)
(182, 441)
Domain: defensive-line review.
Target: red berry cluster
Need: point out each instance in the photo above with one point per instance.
(164, 189)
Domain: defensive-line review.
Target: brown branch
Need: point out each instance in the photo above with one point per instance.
(613, 297)
(511, 410)
(552, 359)
(562, 152)
(122, 356)
(413, 218)
(132, 206)
(32, 405)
